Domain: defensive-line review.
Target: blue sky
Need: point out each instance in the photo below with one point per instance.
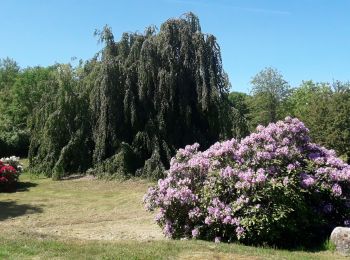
(303, 39)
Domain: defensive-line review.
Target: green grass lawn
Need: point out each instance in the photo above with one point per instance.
(94, 219)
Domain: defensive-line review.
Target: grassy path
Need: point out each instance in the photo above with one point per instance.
(94, 219)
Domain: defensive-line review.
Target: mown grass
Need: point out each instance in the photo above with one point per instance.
(82, 208)
(49, 248)
(94, 219)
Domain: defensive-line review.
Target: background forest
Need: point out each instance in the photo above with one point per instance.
(128, 109)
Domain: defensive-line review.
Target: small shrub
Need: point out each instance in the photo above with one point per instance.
(121, 165)
(10, 169)
(153, 168)
(275, 187)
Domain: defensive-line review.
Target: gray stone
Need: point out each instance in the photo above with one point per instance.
(341, 238)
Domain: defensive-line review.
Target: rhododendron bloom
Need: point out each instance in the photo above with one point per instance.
(217, 239)
(195, 233)
(336, 189)
(270, 187)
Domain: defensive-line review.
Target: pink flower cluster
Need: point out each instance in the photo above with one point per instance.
(235, 190)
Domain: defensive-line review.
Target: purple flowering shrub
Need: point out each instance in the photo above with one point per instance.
(274, 187)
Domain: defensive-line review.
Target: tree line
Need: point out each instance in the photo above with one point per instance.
(126, 110)
(323, 107)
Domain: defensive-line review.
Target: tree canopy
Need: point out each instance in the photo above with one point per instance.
(130, 107)
(270, 91)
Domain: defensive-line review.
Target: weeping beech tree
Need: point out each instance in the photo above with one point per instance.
(135, 103)
(60, 128)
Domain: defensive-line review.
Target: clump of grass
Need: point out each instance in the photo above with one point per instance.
(329, 245)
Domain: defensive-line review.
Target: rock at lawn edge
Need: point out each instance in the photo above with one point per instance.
(341, 238)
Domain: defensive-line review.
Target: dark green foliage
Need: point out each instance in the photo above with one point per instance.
(240, 114)
(153, 167)
(123, 164)
(134, 104)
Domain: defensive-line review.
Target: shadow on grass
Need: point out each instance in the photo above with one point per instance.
(318, 246)
(18, 187)
(10, 209)
(24, 186)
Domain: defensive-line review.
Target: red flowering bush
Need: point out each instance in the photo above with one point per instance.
(10, 169)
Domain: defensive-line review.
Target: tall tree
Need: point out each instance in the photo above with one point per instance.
(10, 135)
(21, 91)
(269, 90)
(148, 94)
